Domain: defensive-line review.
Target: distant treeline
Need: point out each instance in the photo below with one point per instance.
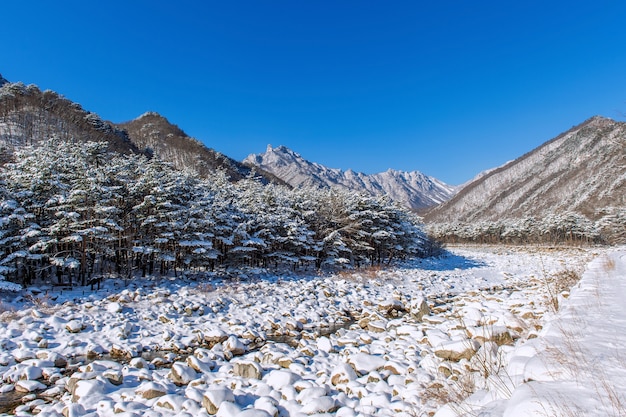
(567, 227)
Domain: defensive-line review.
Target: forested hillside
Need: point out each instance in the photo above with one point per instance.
(29, 116)
(71, 212)
(155, 135)
(572, 188)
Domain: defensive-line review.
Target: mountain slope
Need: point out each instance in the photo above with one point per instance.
(154, 134)
(412, 189)
(582, 170)
(29, 115)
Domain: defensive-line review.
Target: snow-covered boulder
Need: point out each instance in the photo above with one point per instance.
(267, 404)
(22, 355)
(114, 308)
(203, 366)
(215, 336)
(278, 379)
(74, 326)
(214, 397)
(320, 405)
(391, 307)
(325, 345)
(457, 350)
(171, 402)
(419, 308)
(182, 374)
(59, 360)
(150, 390)
(233, 346)
(342, 375)
(364, 363)
(73, 410)
(27, 385)
(88, 388)
(248, 369)
(228, 409)
(114, 376)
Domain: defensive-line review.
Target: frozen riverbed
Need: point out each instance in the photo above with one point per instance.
(400, 341)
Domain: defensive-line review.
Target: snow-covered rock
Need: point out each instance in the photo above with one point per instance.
(342, 374)
(457, 350)
(114, 307)
(214, 397)
(150, 389)
(278, 379)
(181, 373)
(364, 363)
(27, 385)
(233, 346)
(419, 308)
(248, 369)
(74, 326)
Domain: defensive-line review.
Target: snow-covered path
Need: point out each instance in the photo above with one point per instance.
(581, 366)
(577, 367)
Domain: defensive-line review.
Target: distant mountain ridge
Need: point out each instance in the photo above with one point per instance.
(583, 171)
(411, 189)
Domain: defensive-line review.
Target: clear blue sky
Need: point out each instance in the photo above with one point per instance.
(449, 88)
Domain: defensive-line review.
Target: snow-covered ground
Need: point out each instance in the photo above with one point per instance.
(577, 367)
(393, 342)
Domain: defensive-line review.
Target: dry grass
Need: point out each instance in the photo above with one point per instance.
(369, 273)
(204, 288)
(608, 264)
(454, 393)
(485, 370)
(582, 367)
(7, 313)
(43, 303)
(558, 283)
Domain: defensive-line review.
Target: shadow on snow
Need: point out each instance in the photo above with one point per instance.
(447, 262)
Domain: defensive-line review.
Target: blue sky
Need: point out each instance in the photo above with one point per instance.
(449, 88)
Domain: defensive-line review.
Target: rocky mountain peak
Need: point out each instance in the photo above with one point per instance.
(411, 189)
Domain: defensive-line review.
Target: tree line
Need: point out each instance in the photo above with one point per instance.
(71, 213)
(567, 227)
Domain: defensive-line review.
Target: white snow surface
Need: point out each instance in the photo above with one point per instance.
(577, 367)
(350, 344)
(412, 189)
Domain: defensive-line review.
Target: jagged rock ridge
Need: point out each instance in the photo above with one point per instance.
(582, 170)
(412, 189)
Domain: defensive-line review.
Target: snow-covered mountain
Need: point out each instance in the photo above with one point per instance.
(412, 189)
(582, 171)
